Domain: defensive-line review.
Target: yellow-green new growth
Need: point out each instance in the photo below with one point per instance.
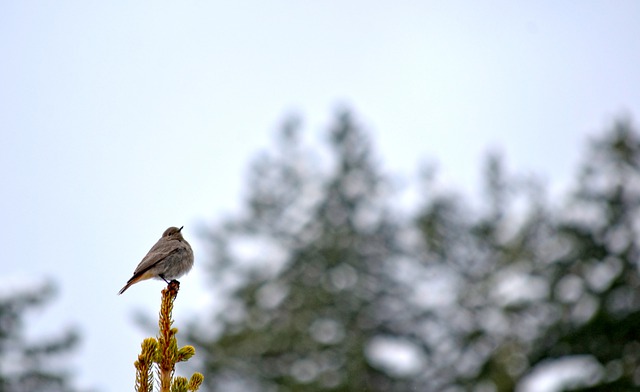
(180, 384)
(144, 375)
(164, 352)
(195, 381)
(185, 353)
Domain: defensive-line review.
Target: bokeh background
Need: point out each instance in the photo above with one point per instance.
(120, 119)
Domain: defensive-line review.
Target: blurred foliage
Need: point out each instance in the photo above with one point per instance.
(27, 366)
(336, 286)
(575, 267)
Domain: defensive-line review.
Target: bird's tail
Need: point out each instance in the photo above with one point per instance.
(126, 286)
(135, 279)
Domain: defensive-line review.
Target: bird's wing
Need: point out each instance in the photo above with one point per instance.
(157, 253)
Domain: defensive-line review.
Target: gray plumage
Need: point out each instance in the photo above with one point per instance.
(170, 258)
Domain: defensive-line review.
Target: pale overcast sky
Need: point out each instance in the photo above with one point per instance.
(119, 119)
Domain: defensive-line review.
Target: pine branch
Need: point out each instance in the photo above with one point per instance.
(144, 375)
(164, 352)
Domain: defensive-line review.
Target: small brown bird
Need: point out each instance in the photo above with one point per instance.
(170, 258)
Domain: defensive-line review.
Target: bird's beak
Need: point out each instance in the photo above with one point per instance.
(180, 229)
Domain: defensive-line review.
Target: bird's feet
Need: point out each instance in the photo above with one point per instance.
(170, 284)
(174, 286)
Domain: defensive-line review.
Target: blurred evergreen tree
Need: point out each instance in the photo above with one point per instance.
(481, 257)
(477, 296)
(543, 284)
(31, 366)
(595, 283)
(317, 243)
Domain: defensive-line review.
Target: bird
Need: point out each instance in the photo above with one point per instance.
(170, 258)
